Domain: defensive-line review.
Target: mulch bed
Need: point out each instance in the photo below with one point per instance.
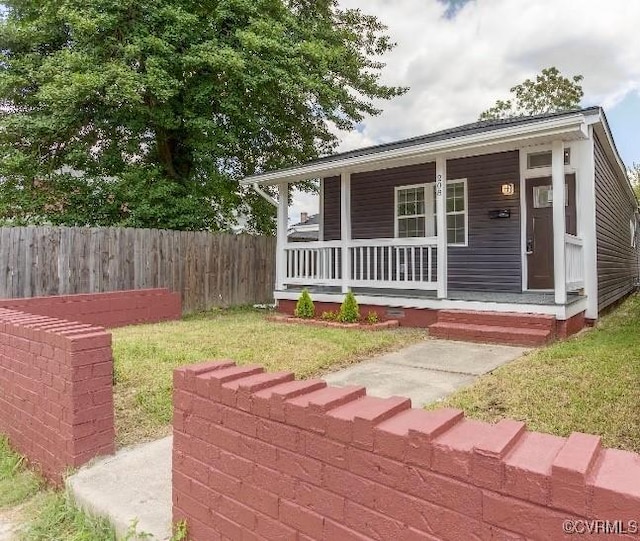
(381, 325)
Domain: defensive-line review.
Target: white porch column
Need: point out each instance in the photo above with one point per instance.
(559, 222)
(345, 229)
(441, 221)
(283, 226)
(586, 189)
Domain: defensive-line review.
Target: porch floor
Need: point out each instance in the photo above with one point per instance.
(525, 297)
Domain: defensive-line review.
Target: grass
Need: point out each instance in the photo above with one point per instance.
(590, 383)
(17, 482)
(52, 516)
(47, 515)
(146, 355)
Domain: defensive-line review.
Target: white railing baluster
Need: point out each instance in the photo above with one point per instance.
(373, 261)
(574, 265)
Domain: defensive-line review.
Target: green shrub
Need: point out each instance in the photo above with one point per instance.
(349, 311)
(330, 316)
(305, 308)
(372, 317)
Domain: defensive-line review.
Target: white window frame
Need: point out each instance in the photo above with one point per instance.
(426, 215)
(465, 212)
(396, 217)
(545, 151)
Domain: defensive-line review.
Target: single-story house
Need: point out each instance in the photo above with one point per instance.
(514, 230)
(306, 230)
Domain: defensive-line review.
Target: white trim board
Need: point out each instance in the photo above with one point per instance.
(561, 313)
(567, 127)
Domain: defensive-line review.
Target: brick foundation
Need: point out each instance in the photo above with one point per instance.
(261, 456)
(113, 309)
(56, 377)
(407, 317)
(571, 326)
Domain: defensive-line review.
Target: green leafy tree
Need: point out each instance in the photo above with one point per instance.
(349, 310)
(304, 306)
(634, 178)
(550, 92)
(146, 114)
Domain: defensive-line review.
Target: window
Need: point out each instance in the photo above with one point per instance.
(543, 196)
(543, 159)
(416, 211)
(457, 212)
(633, 231)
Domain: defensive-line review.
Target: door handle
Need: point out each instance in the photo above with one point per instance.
(529, 246)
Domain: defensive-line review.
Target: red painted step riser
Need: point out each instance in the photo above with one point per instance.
(499, 320)
(509, 338)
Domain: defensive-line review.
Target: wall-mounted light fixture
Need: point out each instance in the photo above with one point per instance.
(508, 189)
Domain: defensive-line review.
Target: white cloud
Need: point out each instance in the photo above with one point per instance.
(458, 67)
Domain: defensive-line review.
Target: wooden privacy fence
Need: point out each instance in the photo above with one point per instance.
(207, 269)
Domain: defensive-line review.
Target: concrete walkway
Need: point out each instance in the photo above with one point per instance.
(132, 489)
(427, 371)
(135, 484)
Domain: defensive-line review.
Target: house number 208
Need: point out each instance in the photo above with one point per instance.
(439, 185)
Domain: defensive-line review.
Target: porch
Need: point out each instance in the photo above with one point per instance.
(404, 273)
(499, 228)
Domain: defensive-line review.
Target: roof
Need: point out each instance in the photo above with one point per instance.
(466, 130)
(451, 133)
(312, 220)
(304, 235)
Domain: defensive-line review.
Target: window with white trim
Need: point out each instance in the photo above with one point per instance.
(457, 212)
(416, 211)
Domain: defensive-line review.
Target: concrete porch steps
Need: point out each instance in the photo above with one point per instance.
(492, 327)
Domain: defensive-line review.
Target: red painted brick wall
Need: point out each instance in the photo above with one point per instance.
(261, 456)
(407, 317)
(571, 326)
(113, 309)
(56, 395)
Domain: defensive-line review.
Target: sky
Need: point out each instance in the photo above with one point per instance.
(459, 56)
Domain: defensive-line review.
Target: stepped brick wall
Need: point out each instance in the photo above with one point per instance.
(113, 309)
(56, 400)
(261, 456)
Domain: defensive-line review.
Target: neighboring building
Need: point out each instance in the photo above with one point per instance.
(307, 230)
(530, 215)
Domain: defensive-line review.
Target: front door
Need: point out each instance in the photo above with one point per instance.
(540, 228)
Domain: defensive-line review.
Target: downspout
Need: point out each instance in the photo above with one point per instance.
(264, 194)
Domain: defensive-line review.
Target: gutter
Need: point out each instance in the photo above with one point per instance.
(264, 194)
(547, 127)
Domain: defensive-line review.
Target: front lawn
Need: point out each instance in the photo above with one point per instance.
(146, 355)
(41, 513)
(590, 383)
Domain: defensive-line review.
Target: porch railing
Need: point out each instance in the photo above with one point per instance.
(376, 263)
(314, 263)
(574, 263)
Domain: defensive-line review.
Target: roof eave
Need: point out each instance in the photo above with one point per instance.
(573, 125)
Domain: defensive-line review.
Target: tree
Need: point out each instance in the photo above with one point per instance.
(634, 178)
(550, 92)
(146, 114)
